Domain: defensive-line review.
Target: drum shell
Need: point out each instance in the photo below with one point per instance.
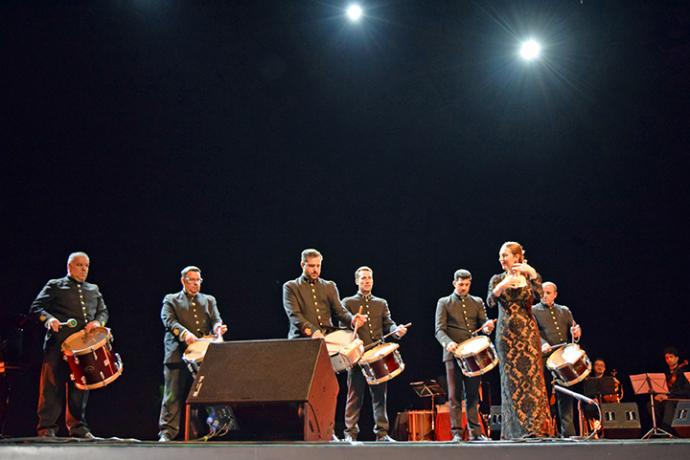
(385, 367)
(569, 372)
(94, 366)
(479, 362)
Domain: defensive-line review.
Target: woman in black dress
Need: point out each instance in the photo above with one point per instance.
(524, 409)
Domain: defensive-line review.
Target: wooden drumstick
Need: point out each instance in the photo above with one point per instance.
(354, 332)
(476, 331)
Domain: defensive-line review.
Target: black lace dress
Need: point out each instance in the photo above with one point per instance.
(524, 406)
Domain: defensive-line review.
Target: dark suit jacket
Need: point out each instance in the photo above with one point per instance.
(450, 320)
(66, 298)
(379, 320)
(180, 314)
(299, 304)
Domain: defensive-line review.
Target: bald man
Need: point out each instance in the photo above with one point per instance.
(555, 322)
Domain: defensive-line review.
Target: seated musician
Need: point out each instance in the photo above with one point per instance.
(187, 316)
(678, 389)
(457, 316)
(602, 387)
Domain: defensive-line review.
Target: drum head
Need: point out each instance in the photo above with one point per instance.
(379, 352)
(337, 340)
(473, 346)
(567, 355)
(82, 341)
(196, 351)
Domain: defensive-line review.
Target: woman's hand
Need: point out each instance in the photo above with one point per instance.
(525, 269)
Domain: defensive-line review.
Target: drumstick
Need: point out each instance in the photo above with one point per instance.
(373, 344)
(474, 332)
(354, 333)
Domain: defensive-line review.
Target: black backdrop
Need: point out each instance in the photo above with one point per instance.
(231, 135)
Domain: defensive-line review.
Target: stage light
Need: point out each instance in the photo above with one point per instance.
(354, 12)
(530, 50)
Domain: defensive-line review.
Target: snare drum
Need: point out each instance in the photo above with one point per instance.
(569, 365)
(91, 359)
(476, 356)
(344, 351)
(193, 356)
(382, 363)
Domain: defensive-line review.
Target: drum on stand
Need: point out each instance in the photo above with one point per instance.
(382, 363)
(419, 425)
(344, 351)
(476, 356)
(569, 365)
(91, 358)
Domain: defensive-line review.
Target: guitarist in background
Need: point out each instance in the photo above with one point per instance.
(187, 316)
(678, 388)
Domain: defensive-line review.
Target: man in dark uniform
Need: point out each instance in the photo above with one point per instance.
(60, 300)
(378, 323)
(554, 322)
(457, 316)
(187, 316)
(311, 302)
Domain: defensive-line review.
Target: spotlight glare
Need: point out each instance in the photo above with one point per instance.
(354, 12)
(530, 50)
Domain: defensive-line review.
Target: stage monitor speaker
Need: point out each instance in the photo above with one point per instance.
(621, 420)
(681, 419)
(278, 389)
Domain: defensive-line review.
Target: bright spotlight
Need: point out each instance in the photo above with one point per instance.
(530, 50)
(354, 12)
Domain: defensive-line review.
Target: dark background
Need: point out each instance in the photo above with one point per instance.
(231, 135)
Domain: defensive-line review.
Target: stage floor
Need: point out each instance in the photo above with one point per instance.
(112, 449)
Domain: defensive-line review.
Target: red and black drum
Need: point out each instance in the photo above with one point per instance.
(476, 356)
(91, 358)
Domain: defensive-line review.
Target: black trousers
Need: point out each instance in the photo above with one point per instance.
(55, 379)
(564, 406)
(356, 386)
(462, 387)
(177, 382)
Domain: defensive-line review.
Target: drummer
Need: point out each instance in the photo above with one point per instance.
(310, 302)
(457, 316)
(378, 323)
(62, 299)
(187, 316)
(555, 322)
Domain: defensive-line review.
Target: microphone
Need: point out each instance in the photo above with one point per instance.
(577, 396)
(69, 323)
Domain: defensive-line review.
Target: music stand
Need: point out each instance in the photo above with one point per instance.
(429, 389)
(651, 384)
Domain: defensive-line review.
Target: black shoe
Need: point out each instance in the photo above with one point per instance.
(349, 438)
(457, 438)
(46, 433)
(334, 438)
(385, 438)
(165, 437)
(480, 437)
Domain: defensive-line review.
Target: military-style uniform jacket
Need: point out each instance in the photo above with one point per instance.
(66, 298)
(456, 318)
(181, 314)
(554, 322)
(311, 306)
(379, 320)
